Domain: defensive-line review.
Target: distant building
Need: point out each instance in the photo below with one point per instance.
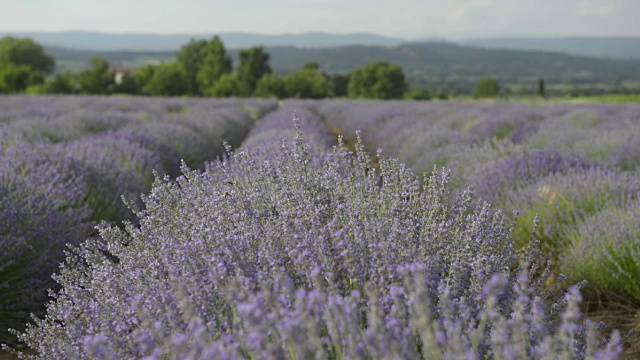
(120, 73)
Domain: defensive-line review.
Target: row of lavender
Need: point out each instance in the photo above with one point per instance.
(578, 166)
(65, 164)
(293, 249)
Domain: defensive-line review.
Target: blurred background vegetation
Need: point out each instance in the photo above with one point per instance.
(418, 71)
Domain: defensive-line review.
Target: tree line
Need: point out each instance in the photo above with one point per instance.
(201, 69)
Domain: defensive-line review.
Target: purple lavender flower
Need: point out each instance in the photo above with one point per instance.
(516, 172)
(41, 210)
(52, 195)
(301, 253)
(604, 248)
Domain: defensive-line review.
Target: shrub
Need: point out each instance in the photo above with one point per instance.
(275, 126)
(486, 88)
(604, 248)
(72, 125)
(507, 176)
(562, 201)
(51, 194)
(378, 80)
(113, 167)
(41, 210)
(306, 256)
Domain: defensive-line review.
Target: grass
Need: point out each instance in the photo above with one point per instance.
(621, 315)
(608, 99)
(613, 99)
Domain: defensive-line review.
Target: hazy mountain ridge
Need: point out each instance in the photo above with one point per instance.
(426, 64)
(97, 41)
(622, 48)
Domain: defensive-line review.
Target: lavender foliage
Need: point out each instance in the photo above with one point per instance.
(66, 162)
(289, 249)
(305, 256)
(562, 201)
(505, 150)
(41, 210)
(113, 167)
(507, 176)
(605, 250)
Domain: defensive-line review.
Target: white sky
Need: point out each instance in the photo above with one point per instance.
(402, 18)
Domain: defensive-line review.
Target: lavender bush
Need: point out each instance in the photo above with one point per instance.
(196, 137)
(72, 125)
(470, 165)
(601, 133)
(113, 167)
(562, 201)
(169, 157)
(605, 249)
(507, 176)
(516, 156)
(41, 210)
(624, 147)
(307, 256)
(119, 141)
(424, 135)
(53, 194)
(591, 130)
(267, 133)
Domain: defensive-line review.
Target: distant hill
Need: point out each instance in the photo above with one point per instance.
(428, 64)
(97, 41)
(76, 60)
(621, 48)
(451, 64)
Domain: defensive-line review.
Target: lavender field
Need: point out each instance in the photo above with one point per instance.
(232, 229)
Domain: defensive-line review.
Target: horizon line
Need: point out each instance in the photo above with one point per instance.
(456, 37)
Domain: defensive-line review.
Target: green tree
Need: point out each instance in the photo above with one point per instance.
(486, 88)
(37, 89)
(271, 85)
(419, 94)
(98, 79)
(143, 76)
(64, 83)
(311, 65)
(127, 85)
(168, 80)
(308, 83)
(254, 64)
(541, 87)
(378, 80)
(227, 85)
(339, 85)
(23, 64)
(25, 52)
(191, 57)
(215, 63)
(15, 78)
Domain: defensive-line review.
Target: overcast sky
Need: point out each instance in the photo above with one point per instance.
(401, 18)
